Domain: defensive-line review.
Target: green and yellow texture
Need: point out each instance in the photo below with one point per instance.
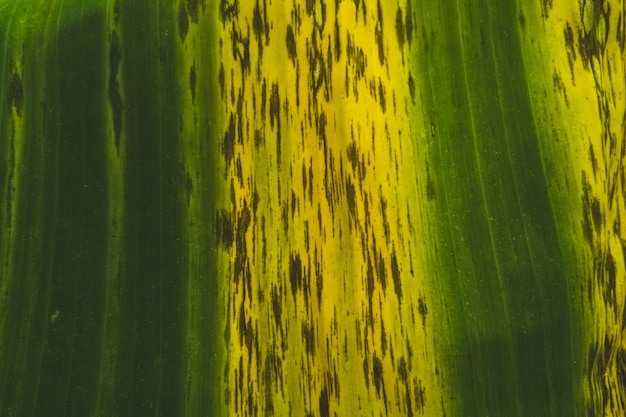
(312, 208)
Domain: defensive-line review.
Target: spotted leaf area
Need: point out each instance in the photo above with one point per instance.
(327, 313)
(601, 50)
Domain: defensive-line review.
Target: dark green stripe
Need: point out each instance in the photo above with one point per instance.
(154, 249)
(498, 267)
(50, 362)
(74, 131)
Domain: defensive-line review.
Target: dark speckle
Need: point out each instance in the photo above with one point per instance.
(379, 35)
(351, 196)
(610, 278)
(596, 214)
(395, 274)
(309, 339)
(192, 8)
(420, 396)
(377, 366)
(274, 106)
(353, 155)
(258, 26)
(183, 22)
(225, 229)
(430, 187)
(229, 9)
(400, 27)
(295, 273)
(423, 309)
(228, 146)
(116, 12)
(222, 79)
(337, 41)
(408, 26)
(115, 98)
(15, 92)
(382, 275)
(593, 159)
(547, 5)
(324, 403)
(259, 138)
(381, 96)
(192, 82)
(412, 88)
(403, 371)
(276, 306)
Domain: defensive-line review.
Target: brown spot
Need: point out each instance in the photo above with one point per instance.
(403, 371)
(422, 309)
(377, 366)
(229, 9)
(378, 32)
(277, 308)
(395, 274)
(420, 396)
(228, 144)
(337, 40)
(568, 34)
(351, 197)
(596, 214)
(408, 25)
(225, 231)
(309, 339)
(241, 51)
(263, 100)
(192, 82)
(383, 338)
(258, 27)
(324, 403)
(295, 273)
(593, 160)
(274, 106)
(586, 203)
(366, 371)
(412, 88)
(259, 138)
(381, 96)
(610, 278)
(319, 284)
(353, 155)
(400, 28)
(222, 80)
(291, 44)
(546, 6)
(382, 275)
(409, 405)
(245, 329)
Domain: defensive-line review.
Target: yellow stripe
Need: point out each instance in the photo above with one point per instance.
(326, 281)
